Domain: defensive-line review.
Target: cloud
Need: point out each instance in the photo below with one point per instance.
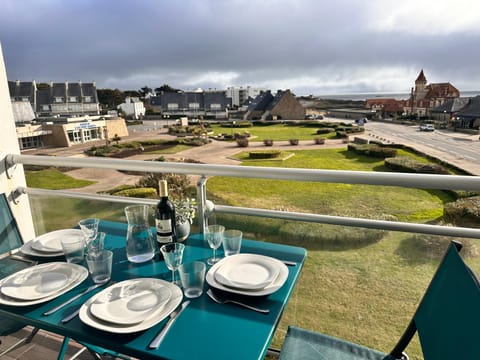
(309, 46)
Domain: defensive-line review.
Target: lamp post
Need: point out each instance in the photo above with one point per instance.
(233, 124)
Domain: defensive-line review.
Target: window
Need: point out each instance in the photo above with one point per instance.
(58, 99)
(31, 142)
(45, 107)
(74, 136)
(172, 106)
(72, 99)
(25, 99)
(215, 106)
(193, 106)
(87, 98)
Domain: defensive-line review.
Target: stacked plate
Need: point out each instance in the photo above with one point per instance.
(131, 305)
(49, 244)
(248, 274)
(40, 283)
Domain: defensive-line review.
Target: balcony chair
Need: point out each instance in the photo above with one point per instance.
(11, 240)
(447, 320)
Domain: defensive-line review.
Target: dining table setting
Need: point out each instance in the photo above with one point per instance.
(180, 304)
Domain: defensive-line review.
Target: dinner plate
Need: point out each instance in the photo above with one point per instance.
(155, 317)
(130, 302)
(27, 249)
(51, 241)
(51, 286)
(269, 289)
(244, 271)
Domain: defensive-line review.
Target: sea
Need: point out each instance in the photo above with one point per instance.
(397, 96)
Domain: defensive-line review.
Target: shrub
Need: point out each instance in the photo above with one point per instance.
(242, 142)
(265, 154)
(463, 212)
(407, 164)
(268, 142)
(373, 150)
(325, 130)
(138, 192)
(195, 141)
(293, 141)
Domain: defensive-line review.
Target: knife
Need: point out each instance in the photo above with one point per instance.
(161, 335)
(56, 308)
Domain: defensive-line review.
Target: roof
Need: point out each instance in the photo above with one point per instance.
(261, 102)
(22, 111)
(442, 90)
(471, 109)
(451, 105)
(421, 77)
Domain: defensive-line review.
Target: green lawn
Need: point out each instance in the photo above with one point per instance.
(53, 179)
(275, 132)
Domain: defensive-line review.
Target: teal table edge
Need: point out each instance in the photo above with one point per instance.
(205, 329)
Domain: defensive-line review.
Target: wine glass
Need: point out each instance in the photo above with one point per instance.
(89, 228)
(214, 235)
(173, 254)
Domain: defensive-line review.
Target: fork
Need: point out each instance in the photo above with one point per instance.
(220, 300)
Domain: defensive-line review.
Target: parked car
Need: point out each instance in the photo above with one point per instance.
(361, 121)
(427, 127)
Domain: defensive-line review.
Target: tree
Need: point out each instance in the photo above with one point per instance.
(145, 90)
(109, 98)
(166, 89)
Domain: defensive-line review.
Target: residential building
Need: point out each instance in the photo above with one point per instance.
(468, 117)
(209, 104)
(57, 98)
(424, 97)
(241, 96)
(133, 108)
(385, 107)
(282, 106)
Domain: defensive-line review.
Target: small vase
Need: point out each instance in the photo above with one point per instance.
(182, 231)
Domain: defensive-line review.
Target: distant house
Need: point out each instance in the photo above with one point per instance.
(242, 95)
(61, 99)
(282, 106)
(446, 112)
(133, 108)
(424, 97)
(385, 107)
(468, 117)
(192, 103)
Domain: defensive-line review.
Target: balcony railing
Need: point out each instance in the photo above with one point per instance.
(443, 182)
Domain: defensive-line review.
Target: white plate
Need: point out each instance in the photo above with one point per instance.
(51, 242)
(130, 302)
(28, 250)
(243, 271)
(155, 317)
(75, 272)
(270, 289)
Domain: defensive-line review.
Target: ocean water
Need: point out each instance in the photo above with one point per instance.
(397, 96)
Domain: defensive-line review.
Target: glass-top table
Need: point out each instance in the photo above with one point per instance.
(205, 330)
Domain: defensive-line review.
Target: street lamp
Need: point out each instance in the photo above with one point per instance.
(233, 124)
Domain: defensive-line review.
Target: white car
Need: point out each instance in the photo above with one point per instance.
(427, 127)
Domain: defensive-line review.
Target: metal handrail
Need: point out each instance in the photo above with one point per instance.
(351, 177)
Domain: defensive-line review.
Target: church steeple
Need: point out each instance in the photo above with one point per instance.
(421, 78)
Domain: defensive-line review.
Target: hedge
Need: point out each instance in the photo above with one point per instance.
(266, 154)
(372, 150)
(463, 212)
(407, 164)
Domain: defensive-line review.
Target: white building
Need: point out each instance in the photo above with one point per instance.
(240, 95)
(133, 108)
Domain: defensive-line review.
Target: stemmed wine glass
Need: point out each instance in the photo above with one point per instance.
(173, 255)
(214, 235)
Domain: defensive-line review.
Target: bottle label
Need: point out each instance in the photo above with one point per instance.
(164, 230)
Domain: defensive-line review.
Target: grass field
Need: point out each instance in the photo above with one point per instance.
(365, 290)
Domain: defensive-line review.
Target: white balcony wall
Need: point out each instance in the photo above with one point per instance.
(14, 177)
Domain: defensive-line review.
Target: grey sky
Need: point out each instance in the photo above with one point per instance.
(309, 46)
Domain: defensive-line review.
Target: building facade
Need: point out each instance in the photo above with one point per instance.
(241, 96)
(424, 97)
(57, 98)
(133, 108)
(283, 106)
(214, 104)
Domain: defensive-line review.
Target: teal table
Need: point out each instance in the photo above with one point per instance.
(205, 330)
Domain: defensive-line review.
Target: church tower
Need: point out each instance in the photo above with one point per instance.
(420, 86)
